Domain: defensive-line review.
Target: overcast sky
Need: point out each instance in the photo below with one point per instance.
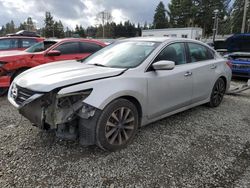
(72, 12)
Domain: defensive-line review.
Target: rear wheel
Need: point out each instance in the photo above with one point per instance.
(117, 125)
(218, 92)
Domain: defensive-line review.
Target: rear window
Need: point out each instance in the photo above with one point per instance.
(6, 44)
(199, 52)
(26, 43)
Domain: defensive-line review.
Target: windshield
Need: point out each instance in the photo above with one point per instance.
(41, 46)
(126, 54)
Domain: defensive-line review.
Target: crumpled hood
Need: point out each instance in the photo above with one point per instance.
(47, 77)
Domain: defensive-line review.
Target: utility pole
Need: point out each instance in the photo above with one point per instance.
(101, 16)
(244, 17)
(215, 23)
(104, 17)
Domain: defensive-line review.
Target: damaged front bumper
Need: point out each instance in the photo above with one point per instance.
(67, 113)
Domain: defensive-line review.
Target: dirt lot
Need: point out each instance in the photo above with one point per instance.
(201, 147)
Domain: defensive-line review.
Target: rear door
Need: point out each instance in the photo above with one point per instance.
(169, 90)
(204, 66)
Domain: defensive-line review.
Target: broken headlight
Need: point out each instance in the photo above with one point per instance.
(67, 100)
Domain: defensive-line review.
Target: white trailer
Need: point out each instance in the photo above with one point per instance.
(188, 32)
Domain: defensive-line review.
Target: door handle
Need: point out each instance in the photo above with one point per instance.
(213, 67)
(188, 74)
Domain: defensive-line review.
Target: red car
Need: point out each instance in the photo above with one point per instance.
(12, 63)
(18, 42)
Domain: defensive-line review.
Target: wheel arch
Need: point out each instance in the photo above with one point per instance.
(224, 79)
(18, 71)
(136, 103)
(133, 99)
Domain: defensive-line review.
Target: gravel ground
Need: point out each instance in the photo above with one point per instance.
(201, 147)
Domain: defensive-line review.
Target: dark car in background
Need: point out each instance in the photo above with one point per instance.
(238, 47)
(12, 63)
(20, 40)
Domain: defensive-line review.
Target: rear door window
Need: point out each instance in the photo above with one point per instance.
(86, 47)
(69, 48)
(6, 44)
(198, 52)
(26, 43)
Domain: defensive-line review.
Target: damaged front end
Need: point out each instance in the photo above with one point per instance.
(67, 114)
(5, 76)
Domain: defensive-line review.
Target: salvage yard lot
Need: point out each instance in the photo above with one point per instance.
(202, 147)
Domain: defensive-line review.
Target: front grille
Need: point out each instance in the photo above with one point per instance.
(241, 66)
(23, 94)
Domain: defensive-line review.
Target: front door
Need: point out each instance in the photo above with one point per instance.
(169, 90)
(69, 51)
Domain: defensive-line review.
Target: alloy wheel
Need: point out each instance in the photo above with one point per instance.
(219, 92)
(120, 126)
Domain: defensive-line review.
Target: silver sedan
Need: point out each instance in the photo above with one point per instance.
(106, 97)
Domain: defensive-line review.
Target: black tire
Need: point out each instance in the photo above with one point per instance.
(217, 94)
(113, 131)
(3, 91)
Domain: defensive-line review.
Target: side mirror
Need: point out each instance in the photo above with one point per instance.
(53, 53)
(164, 65)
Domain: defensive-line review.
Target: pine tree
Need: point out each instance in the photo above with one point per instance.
(30, 24)
(237, 16)
(49, 25)
(200, 13)
(160, 19)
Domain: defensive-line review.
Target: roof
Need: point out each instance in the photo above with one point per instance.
(21, 37)
(173, 29)
(159, 39)
(148, 39)
(75, 39)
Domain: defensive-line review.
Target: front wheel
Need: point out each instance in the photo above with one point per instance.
(218, 92)
(117, 125)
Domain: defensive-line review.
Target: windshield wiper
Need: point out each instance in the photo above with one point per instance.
(99, 65)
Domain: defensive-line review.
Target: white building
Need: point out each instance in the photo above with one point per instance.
(188, 32)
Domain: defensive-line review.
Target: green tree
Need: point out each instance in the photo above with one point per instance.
(160, 19)
(182, 13)
(58, 29)
(49, 25)
(205, 14)
(30, 24)
(79, 31)
(237, 16)
(200, 13)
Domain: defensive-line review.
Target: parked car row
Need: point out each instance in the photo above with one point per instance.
(104, 98)
(13, 63)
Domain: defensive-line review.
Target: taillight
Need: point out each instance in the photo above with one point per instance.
(229, 63)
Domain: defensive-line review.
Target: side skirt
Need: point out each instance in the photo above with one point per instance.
(146, 121)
